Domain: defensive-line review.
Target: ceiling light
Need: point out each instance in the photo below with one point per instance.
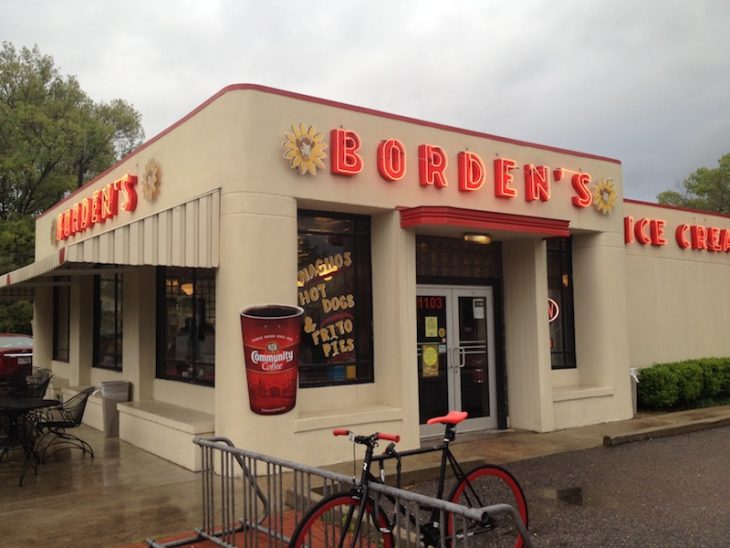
(475, 238)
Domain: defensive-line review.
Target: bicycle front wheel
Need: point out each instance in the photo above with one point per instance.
(333, 522)
(483, 486)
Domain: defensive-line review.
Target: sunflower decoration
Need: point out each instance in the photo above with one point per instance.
(151, 180)
(605, 196)
(304, 148)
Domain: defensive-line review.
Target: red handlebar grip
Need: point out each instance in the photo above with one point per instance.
(389, 437)
(340, 432)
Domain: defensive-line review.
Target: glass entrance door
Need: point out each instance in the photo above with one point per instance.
(456, 355)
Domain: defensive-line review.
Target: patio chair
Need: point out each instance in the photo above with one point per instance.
(53, 427)
(35, 386)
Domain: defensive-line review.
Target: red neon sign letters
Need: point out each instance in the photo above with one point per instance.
(391, 160)
(697, 237)
(102, 205)
(345, 159)
(433, 161)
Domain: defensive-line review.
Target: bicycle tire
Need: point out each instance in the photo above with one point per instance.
(322, 527)
(483, 486)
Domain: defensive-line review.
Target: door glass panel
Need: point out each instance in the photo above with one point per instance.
(472, 356)
(432, 356)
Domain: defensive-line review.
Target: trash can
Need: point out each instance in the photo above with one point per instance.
(111, 393)
(634, 372)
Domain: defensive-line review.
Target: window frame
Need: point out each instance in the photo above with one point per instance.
(361, 256)
(191, 366)
(118, 334)
(561, 250)
(61, 340)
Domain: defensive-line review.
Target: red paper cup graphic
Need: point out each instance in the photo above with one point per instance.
(271, 346)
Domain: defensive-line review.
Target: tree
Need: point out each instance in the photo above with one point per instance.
(16, 243)
(53, 137)
(16, 250)
(707, 189)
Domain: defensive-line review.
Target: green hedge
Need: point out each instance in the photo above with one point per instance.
(690, 383)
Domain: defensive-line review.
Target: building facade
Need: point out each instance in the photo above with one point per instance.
(438, 268)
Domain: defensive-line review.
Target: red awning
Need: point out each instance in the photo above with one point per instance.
(471, 219)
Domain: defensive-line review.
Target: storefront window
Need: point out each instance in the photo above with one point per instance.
(108, 321)
(61, 318)
(334, 288)
(560, 303)
(186, 325)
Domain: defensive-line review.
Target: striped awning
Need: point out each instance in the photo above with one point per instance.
(185, 235)
(13, 284)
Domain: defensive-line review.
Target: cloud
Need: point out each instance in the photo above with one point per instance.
(645, 82)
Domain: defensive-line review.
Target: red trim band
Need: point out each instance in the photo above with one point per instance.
(482, 220)
(677, 208)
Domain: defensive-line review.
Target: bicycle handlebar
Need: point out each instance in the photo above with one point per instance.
(389, 437)
(365, 440)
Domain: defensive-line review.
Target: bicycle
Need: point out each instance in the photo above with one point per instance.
(354, 518)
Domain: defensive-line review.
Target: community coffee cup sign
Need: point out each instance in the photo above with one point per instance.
(271, 336)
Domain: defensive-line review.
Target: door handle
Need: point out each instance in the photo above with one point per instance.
(455, 361)
(458, 355)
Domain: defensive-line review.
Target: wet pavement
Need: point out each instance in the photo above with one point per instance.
(666, 492)
(586, 486)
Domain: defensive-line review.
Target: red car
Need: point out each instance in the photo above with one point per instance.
(16, 356)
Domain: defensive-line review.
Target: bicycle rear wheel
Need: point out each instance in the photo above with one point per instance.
(333, 523)
(483, 486)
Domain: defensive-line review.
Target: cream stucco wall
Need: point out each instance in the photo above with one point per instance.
(678, 299)
(527, 336)
(232, 144)
(599, 389)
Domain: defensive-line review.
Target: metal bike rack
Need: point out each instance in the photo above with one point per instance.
(251, 499)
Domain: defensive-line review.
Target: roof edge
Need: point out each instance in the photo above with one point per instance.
(326, 102)
(677, 208)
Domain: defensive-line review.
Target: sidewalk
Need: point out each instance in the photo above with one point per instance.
(125, 494)
(502, 447)
(509, 446)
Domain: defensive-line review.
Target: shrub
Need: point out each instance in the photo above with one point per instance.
(657, 388)
(690, 382)
(712, 381)
(723, 373)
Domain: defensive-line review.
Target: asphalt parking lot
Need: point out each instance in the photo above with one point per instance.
(663, 492)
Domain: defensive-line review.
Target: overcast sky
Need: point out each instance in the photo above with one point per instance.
(643, 81)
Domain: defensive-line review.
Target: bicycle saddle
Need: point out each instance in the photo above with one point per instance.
(454, 417)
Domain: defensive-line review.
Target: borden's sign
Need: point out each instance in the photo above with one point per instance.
(472, 171)
(103, 204)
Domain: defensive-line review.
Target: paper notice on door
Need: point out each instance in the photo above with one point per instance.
(432, 326)
(478, 308)
(429, 360)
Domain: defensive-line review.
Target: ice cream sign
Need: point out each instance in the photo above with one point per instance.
(655, 232)
(306, 151)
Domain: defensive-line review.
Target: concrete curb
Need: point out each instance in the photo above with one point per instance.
(655, 432)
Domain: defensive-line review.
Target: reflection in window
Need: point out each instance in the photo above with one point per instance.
(334, 288)
(186, 325)
(108, 321)
(560, 293)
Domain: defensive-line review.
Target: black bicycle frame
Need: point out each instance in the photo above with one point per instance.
(446, 457)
